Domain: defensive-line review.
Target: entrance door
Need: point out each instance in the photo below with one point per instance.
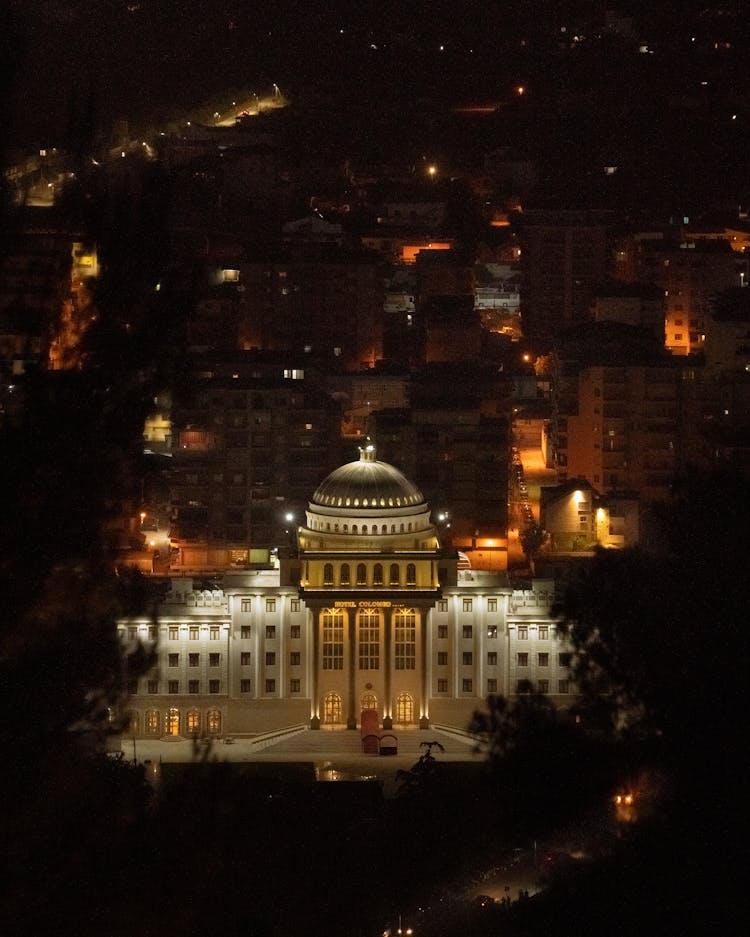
(173, 722)
(332, 709)
(405, 708)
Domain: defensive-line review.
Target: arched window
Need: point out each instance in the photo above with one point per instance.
(328, 574)
(213, 722)
(361, 574)
(393, 528)
(335, 528)
(384, 529)
(346, 528)
(173, 721)
(345, 574)
(354, 528)
(409, 528)
(411, 574)
(369, 701)
(404, 708)
(395, 575)
(193, 722)
(377, 574)
(401, 529)
(332, 709)
(364, 528)
(153, 722)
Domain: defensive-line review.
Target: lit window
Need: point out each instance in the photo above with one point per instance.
(294, 606)
(406, 636)
(369, 641)
(213, 632)
(443, 605)
(173, 633)
(523, 633)
(270, 605)
(333, 640)
(246, 605)
(491, 605)
(467, 605)
(194, 633)
(491, 631)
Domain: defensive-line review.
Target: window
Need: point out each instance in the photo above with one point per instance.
(411, 574)
(294, 632)
(245, 658)
(213, 632)
(563, 686)
(153, 722)
(467, 686)
(442, 605)
(133, 687)
(270, 605)
(194, 686)
(295, 685)
(270, 658)
(173, 633)
(491, 631)
(442, 631)
(213, 721)
(369, 641)
(295, 658)
(492, 685)
(394, 577)
(523, 660)
(328, 574)
(564, 660)
(346, 575)
(194, 632)
(361, 574)
(213, 686)
(468, 631)
(270, 686)
(246, 605)
(543, 686)
(442, 686)
(523, 686)
(173, 686)
(491, 605)
(245, 632)
(333, 640)
(377, 574)
(543, 660)
(194, 660)
(246, 686)
(152, 632)
(270, 632)
(442, 658)
(174, 660)
(523, 633)
(467, 605)
(214, 660)
(152, 686)
(492, 658)
(467, 658)
(406, 638)
(294, 605)
(543, 632)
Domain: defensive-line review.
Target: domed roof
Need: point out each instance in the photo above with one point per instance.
(367, 483)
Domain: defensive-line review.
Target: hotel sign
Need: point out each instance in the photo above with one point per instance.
(383, 603)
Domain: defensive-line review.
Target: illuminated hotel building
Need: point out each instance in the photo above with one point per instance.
(370, 614)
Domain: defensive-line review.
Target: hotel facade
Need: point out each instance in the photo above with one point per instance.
(368, 613)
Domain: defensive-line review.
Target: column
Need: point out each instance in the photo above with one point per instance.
(388, 665)
(315, 693)
(424, 719)
(351, 718)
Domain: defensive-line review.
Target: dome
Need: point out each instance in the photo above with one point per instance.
(367, 483)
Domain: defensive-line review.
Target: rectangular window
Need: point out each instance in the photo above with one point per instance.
(294, 605)
(194, 633)
(245, 658)
(213, 632)
(563, 686)
(294, 632)
(442, 686)
(270, 658)
(152, 686)
(213, 686)
(245, 632)
(564, 659)
(467, 686)
(491, 631)
(295, 686)
(369, 641)
(333, 641)
(270, 632)
(467, 605)
(442, 605)
(295, 658)
(543, 632)
(270, 605)
(152, 632)
(270, 686)
(246, 686)
(468, 631)
(468, 658)
(194, 686)
(492, 685)
(442, 631)
(523, 633)
(543, 660)
(173, 633)
(173, 686)
(491, 605)
(442, 658)
(132, 632)
(246, 605)
(214, 660)
(406, 640)
(174, 660)
(523, 686)
(523, 659)
(194, 660)
(492, 658)
(543, 686)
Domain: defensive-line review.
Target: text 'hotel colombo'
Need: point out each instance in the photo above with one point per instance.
(370, 614)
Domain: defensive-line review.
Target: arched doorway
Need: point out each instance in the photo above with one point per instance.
(369, 701)
(332, 709)
(213, 722)
(193, 722)
(404, 708)
(172, 726)
(153, 722)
